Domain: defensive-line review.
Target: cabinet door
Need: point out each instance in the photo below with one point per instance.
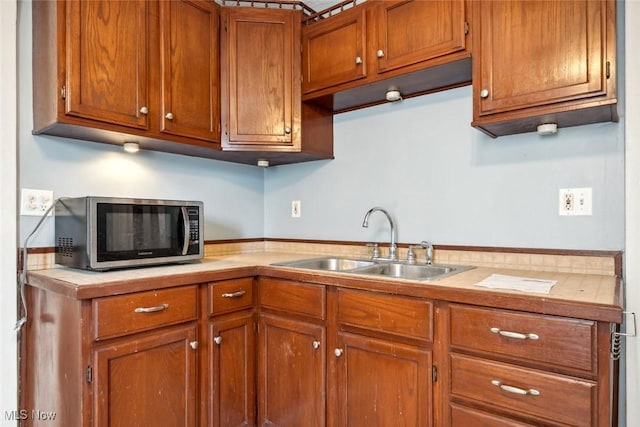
(189, 68)
(232, 371)
(334, 50)
(107, 61)
(409, 32)
(291, 363)
(533, 53)
(261, 78)
(146, 380)
(382, 383)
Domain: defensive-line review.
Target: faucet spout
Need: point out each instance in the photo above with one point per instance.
(392, 243)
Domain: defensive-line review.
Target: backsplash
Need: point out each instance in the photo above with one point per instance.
(603, 263)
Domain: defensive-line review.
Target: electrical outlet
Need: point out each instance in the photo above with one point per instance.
(35, 202)
(574, 201)
(295, 209)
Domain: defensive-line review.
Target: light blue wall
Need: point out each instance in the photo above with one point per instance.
(233, 194)
(441, 179)
(448, 183)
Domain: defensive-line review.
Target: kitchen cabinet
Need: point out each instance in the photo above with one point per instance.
(101, 361)
(190, 93)
(230, 388)
(149, 72)
(147, 379)
(351, 58)
(116, 71)
(543, 62)
(514, 367)
(382, 360)
(263, 345)
(260, 80)
(291, 354)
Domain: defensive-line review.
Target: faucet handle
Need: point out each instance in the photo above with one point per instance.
(429, 247)
(376, 250)
(411, 255)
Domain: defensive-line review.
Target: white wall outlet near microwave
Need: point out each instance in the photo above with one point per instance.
(35, 202)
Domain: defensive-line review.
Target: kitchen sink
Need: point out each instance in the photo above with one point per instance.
(397, 269)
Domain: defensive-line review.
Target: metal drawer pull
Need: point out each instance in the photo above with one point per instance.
(160, 307)
(517, 335)
(237, 294)
(516, 390)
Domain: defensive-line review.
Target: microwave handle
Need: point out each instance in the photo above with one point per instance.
(185, 224)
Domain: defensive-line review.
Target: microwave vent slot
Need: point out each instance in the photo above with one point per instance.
(65, 246)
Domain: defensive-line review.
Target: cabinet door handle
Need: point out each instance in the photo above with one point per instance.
(236, 294)
(338, 352)
(217, 339)
(194, 345)
(358, 60)
(516, 335)
(380, 53)
(515, 390)
(316, 345)
(169, 116)
(484, 94)
(160, 307)
(287, 130)
(144, 110)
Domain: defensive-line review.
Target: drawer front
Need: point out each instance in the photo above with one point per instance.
(293, 297)
(230, 295)
(556, 341)
(465, 417)
(126, 314)
(391, 314)
(523, 391)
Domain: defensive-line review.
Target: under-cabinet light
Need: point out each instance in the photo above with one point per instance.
(131, 147)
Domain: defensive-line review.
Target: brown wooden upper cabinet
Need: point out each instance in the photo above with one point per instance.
(262, 109)
(105, 76)
(189, 64)
(115, 71)
(537, 62)
(261, 100)
(382, 44)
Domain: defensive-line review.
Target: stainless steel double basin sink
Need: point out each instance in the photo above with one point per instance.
(384, 268)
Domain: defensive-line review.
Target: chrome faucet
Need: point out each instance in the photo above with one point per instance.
(392, 243)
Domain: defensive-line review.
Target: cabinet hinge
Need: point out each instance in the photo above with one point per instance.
(63, 92)
(608, 69)
(89, 374)
(466, 28)
(434, 373)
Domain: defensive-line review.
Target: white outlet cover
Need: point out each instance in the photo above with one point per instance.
(35, 202)
(575, 201)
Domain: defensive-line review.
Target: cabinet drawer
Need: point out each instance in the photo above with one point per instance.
(230, 295)
(527, 392)
(293, 297)
(126, 314)
(391, 314)
(465, 417)
(555, 341)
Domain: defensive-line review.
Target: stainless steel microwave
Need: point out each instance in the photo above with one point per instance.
(102, 233)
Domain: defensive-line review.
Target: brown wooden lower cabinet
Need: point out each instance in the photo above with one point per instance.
(149, 379)
(382, 383)
(273, 352)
